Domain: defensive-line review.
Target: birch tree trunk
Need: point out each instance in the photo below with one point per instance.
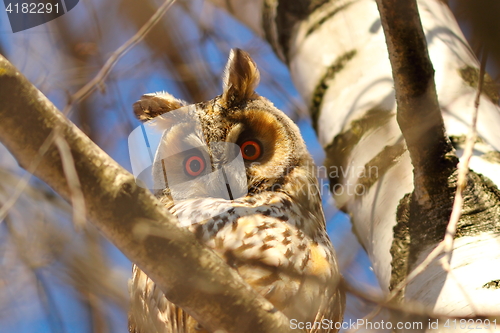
(338, 58)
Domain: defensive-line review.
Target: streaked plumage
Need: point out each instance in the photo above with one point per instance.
(274, 236)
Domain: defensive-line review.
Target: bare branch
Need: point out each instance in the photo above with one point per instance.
(130, 216)
(120, 52)
(167, 44)
(418, 115)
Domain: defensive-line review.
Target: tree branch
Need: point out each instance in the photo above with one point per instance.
(189, 274)
(418, 112)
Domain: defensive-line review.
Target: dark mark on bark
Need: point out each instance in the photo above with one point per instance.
(319, 91)
(400, 245)
(481, 210)
(268, 23)
(418, 229)
(458, 142)
(325, 18)
(492, 157)
(471, 76)
(338, 152)
(495, 284)
(380, 164)
(288, 15)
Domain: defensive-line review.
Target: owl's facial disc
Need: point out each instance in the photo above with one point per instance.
(186, 163)
(267, 141)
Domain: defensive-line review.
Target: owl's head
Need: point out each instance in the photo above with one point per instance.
(209, 145)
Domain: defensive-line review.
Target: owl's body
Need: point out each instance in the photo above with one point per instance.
(274, 236)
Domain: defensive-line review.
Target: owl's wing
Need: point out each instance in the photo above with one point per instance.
(294, 272)
(151, 312)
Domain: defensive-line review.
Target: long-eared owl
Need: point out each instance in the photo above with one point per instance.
(236, 172)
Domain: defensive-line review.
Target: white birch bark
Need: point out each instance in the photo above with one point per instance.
(338, 59)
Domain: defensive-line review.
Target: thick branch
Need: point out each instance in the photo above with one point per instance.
(418, 115)
(191, 275)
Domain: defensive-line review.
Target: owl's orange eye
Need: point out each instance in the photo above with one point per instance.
(251, 150)
(194, 165)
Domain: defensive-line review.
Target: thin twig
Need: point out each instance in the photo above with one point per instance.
(367, 318)
(463, 168)
(446, 245)
(78, 96)
(447, 268)
(409, 308)
(24, 181)
(116, 55)
(46, 300)
(77, 200)
(417, 271)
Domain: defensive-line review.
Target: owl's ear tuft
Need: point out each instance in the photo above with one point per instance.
(152, 105)
(240, 79)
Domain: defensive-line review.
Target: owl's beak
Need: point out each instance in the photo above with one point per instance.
(228, 182)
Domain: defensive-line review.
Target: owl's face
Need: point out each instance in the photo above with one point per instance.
(234, 145)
